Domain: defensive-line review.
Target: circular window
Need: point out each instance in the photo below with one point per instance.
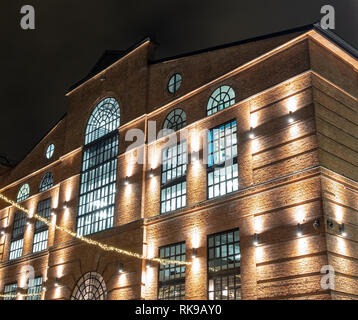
(174, 83)
(50, 150)
(91, 286)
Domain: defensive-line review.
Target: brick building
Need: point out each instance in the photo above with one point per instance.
(257, 205)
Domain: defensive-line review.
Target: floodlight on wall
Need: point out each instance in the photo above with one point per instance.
(343, 230)
(126, 181)
(299, 230)
(251, 134)
(120, 269)
(57, 284)
(52, 213)
(151, 173)
(65, 205)
(256, 240)
(148, 264)
(290, 118)
(194, 253)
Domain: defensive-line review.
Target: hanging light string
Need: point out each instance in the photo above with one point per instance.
(10, 296)
(89, 241)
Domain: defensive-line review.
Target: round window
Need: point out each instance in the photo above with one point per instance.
(50, 150)
(174, 83)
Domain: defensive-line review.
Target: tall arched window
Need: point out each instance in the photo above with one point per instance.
(99, 168)
(24, 193)
(46, 182)
(222, 98)
(104, 119)
(90, 286)
(175, 120)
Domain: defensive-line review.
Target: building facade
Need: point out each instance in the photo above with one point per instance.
(255, 186)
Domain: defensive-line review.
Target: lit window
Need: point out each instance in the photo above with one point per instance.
(224, 266)
(41, 229)
(173, 183)
(17, 239)
(175, 120)
(10, 290)
(99, 170)
(104, 119)
(46, 182)
(222, 98)
(91, 286)
(172, 276)
(174, 83)
(222, 160)
(34, 289)
(49, 151)
(24, 193)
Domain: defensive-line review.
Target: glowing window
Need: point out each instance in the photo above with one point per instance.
(24, 193)
(10, 290)
(222, 167)
(91, 286)
(34, 289)
(50, 150)
(99, 170)
(104, 119)
(41, 229)
(222, 98)
(17, 239)
(175, 120)
(46, 182)
(172, 276)
(224, 266)
(174, 83)
(173, 183)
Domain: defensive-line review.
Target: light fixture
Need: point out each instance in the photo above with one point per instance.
(290, 119)
(65, 205)
(194, 253)
(256, 240)
(343, 230)
(56, 283)
(251, 134)
(299, 230)
(44, 288)
(2, 232)
(53, 213)
(103, 78)
(120, 269)
(126, 181)
(148, 264)
(151, 174)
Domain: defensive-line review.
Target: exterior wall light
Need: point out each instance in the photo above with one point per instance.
(53, 213)
(299, 230)
(126, 181)
(194, 253)
(251, 134)
(290, 119)
(256, 240)
(120, 269)
(151, 173)
(343, 230)
(57, 283)
(2, 232)
(65, 205)
(148, 264)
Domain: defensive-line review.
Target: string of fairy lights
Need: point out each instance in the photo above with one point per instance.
(86, 240)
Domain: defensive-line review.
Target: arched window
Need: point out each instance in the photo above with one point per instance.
(175, 120)
(99, 170)
(91, 286)
(46, 182)
(222, 98)
(50, 150)
(104, 119)
(24, 193)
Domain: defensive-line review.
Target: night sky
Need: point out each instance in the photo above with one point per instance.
(38, 66)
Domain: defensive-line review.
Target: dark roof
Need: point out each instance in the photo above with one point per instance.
(107, 59)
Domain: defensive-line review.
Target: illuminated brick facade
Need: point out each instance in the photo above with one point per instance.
(296, 168)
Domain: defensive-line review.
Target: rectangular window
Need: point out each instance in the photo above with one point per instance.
(98, 186)
(34, 289)
(10, 289)
(173, 182)
(17, 239)
(41, 229)
(222, 170)
(171, 280)
(224, 266)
